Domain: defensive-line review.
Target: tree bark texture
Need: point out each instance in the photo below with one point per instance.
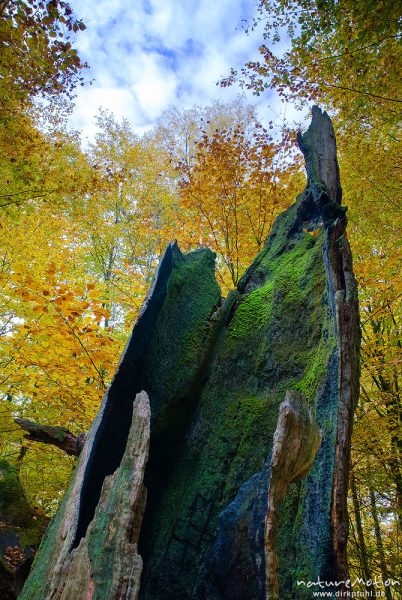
(105, 563)
(359, 529)
(319, 149)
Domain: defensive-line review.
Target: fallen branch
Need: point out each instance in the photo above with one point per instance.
(58, 436)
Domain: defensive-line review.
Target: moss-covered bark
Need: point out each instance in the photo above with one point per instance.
(280, 331)
(276, 334)
(175, 313)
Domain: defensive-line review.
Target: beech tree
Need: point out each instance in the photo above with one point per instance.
(231, 194)
(344, 54)
(39, 70)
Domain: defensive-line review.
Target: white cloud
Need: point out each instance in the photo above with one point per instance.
(153, 86)
(156, 53)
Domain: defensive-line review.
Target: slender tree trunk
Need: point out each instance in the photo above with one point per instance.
(378, 537)
(359, 530)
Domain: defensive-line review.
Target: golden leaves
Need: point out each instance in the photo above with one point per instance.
(231, 194)
(57, 352)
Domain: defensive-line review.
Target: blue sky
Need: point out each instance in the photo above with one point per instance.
(146, 55)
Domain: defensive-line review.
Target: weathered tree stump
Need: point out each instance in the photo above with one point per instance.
(234, 510)
(105, 563)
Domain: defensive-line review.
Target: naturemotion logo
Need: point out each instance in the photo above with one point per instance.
(346, 587)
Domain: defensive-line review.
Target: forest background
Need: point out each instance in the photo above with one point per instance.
(82, 230)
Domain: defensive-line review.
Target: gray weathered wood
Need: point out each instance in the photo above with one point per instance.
(106, 563)
(296, 441)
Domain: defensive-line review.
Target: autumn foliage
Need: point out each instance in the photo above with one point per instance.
(231, 194)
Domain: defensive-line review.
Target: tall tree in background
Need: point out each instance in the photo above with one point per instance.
(39, 70)
(232, 178)
(178, 131)
(37, 58)
(231, 193)
(345, 54)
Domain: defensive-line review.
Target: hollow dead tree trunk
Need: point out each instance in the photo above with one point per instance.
(243, 503)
